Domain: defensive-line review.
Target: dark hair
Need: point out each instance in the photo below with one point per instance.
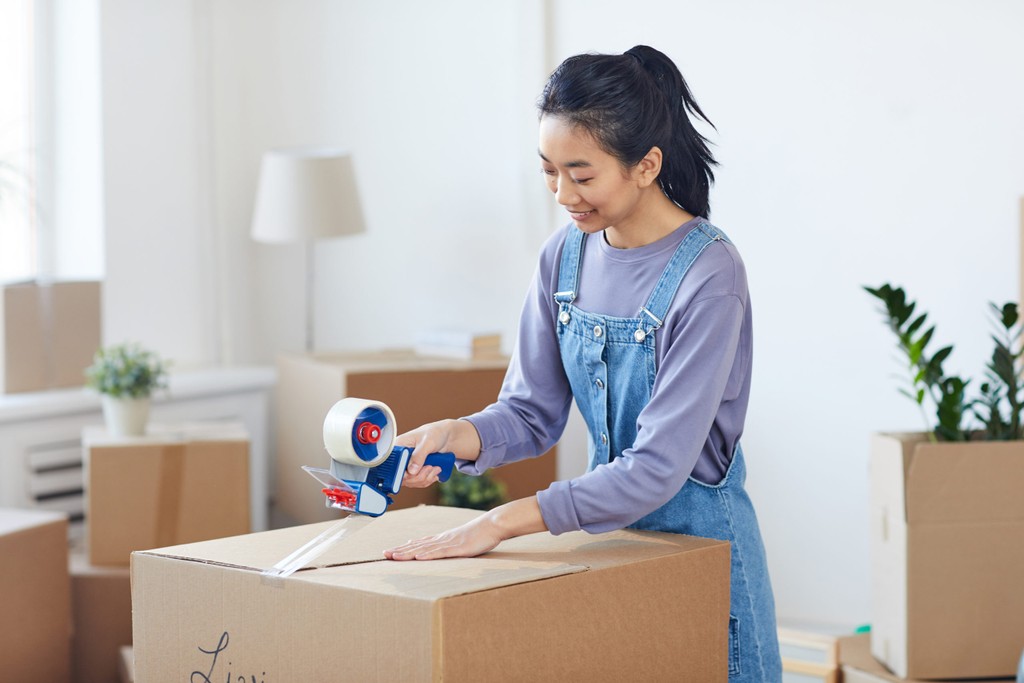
(631, 103)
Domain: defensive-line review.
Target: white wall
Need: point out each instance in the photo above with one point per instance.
(439, 122)
(860, 142)
(78, 186)
(158, 287)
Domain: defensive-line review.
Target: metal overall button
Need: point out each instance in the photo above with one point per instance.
(639, 335)
(563, 317)
(598, 331)
(604, 438)
(599, 383)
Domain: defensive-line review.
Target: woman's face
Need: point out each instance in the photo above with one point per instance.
(591, 184)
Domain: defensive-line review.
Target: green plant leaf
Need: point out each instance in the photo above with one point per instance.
(926, 337)
(1009, 315)
(915, 324)
(941, 355)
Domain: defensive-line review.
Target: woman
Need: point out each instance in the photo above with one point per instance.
(639, 311)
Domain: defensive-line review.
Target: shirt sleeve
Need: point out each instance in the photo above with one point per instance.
(672, 427)
(533, 405)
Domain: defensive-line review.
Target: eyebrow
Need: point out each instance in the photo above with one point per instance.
(571, 164)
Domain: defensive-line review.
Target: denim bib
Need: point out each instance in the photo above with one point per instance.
(610, 364)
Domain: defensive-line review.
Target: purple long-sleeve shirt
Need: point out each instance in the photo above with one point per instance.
(698, 404)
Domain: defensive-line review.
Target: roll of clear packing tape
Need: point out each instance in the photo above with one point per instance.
(359, 432)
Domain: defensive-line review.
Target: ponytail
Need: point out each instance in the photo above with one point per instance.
(631, 103)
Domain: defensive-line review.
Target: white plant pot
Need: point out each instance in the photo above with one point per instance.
(125, 416)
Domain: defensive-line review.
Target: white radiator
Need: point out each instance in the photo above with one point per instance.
(41, 446)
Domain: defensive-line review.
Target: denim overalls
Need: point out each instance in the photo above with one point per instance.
(610, 364)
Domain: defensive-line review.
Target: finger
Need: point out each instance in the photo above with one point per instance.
(407, 552)
(409, 548)
(426, 477)
(419, 454)
(411, 437)
(439, 551)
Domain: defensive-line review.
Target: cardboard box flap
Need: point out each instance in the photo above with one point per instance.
(366, 544)
(599, 550)
(527, 558)
(345, 562)
(966, 483)
(440, 578)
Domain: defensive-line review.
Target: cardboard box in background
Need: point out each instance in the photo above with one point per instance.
(174, 485)
(626, 605)
(417, 389)
(101, 609)
(48, 334)
(947, 548)
(860, 667)
(35, 602)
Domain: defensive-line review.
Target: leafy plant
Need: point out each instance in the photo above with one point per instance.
(474, 492)
(126, 371)
(1003, 372)
(998, 408)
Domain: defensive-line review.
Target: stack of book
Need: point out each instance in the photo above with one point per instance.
(458, 344)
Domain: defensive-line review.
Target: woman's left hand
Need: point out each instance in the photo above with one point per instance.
(478, 536)
(469, 540)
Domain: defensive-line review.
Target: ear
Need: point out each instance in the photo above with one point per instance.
(647, 169)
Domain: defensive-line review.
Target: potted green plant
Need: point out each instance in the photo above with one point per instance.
(126, 376)
(947, 512)
(474, 492)
(998, 406)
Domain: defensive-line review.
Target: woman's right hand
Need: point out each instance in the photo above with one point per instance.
(445, 436)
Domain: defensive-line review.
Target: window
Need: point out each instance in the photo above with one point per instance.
(18, 214)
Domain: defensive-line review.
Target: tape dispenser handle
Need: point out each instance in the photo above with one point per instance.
(446, 461)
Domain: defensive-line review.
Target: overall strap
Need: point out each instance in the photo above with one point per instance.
(569, 266)
(696, 241)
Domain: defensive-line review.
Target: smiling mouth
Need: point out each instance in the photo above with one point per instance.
(580, 215)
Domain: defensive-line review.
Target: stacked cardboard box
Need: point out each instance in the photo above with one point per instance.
(48, 334)
(174, 485)
(629, 606)
(101, 599)
(35, 603)
(947, 546)
(859, 666)
(418, 390)
(177, 484)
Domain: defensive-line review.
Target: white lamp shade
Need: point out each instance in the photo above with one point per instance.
(306, 194)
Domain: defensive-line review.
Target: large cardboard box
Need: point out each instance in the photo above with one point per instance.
(35, 602)
(101, 609)
(622, 606)
(860, 667)
(947, 552)
(174, 485)
(48, 334)
(417, 389)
